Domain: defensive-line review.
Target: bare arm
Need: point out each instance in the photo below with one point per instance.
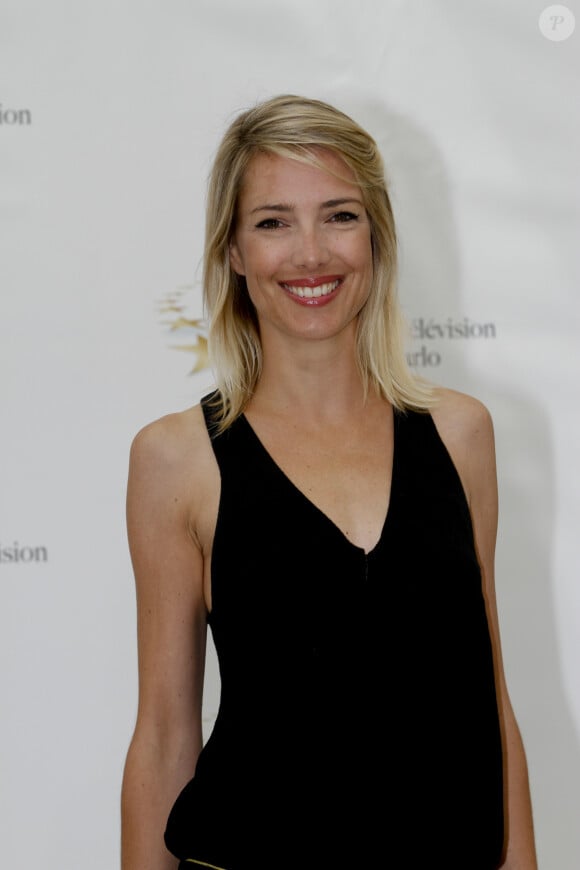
(467, 430)
(171, 627)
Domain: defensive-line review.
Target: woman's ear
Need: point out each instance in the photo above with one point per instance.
(236, 261)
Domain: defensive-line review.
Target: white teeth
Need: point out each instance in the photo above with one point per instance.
(310, 292)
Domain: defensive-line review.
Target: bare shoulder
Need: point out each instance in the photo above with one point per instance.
(171, 459)
(466, 428)
(460, 416)
(171, 441)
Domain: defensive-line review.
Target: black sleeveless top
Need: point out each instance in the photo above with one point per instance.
(358, 722)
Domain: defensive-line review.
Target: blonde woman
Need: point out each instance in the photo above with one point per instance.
(332, 518)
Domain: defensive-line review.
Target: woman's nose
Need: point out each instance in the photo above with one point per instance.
(311, 248)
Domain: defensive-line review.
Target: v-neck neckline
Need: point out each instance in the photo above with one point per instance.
(270, 459)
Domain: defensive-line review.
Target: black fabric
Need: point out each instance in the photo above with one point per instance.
(358, 719)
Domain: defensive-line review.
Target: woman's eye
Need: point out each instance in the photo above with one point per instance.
(269, 224)
(344, 217)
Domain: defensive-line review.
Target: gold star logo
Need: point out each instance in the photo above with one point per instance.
(173, 314)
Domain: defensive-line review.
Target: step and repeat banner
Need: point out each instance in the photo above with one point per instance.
(109, 116)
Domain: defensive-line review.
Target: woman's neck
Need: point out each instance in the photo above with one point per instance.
(315, 379)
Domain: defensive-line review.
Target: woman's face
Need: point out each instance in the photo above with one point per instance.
(303, 244)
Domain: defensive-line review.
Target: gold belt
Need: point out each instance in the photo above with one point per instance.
(203, 864)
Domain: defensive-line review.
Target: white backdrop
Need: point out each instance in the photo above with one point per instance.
(109, 115)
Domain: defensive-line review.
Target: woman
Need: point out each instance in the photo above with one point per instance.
(347, 511)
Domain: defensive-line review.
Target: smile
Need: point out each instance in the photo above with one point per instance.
(307, 291)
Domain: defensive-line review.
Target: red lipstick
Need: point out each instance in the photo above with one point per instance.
(312, 282)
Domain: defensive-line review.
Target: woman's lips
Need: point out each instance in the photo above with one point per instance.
(312, 289)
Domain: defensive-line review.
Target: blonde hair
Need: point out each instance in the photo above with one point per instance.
(292, 126)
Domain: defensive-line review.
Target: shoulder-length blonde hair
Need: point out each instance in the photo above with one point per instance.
(297, 127)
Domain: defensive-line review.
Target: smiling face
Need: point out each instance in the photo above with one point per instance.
(303, 244)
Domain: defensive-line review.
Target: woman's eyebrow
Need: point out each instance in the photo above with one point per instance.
(333, 203)
(278, 206)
